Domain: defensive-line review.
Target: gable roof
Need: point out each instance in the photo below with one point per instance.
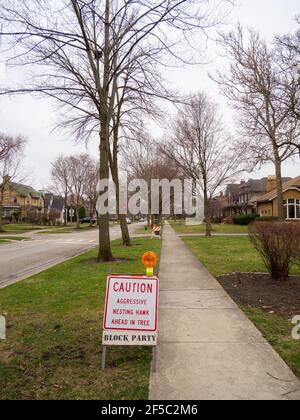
(58, 203)
(48, 198)
(25, 190)
(234, 190)
(290, 184)
(256, 185)
(54, 202)
(259, 185)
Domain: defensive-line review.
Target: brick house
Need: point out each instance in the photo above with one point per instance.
(267, 203)
(243, 198)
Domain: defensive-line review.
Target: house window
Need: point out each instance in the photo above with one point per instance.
(292, 208)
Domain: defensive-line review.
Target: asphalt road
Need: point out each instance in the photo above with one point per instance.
(20, 260)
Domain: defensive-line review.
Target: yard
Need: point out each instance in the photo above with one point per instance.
(54, 320)
(270, 305)
(8, 239)
(26, 227)
(69, 229)
(23, 228)
(182, 228)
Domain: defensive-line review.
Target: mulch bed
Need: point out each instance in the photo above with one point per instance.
(260, 291)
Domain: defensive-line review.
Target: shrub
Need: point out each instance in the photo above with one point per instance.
(279, 245)
(54, 215)
(245, 219)
(228, 220)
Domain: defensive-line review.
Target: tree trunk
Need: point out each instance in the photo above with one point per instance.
(77, 217)
(279, 185)
(66, 211)
(149, 216)
(122, 217)
(208, 221)
(1, 220)
(1, 206)
(105, 253)
(207, 212)
(125, 231)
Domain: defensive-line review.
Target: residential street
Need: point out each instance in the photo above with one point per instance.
(23, 259)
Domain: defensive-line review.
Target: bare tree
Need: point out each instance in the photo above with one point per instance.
(90, 187)
(62, 181)
(10, 145)
(78, 51)
(79, 168)
(144, 160)
(54, 215)
(11, 150)
(291, 41)
(287, 50)
(254, 86)
(202, 149)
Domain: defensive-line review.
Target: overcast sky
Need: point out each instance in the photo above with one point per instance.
(34, 118)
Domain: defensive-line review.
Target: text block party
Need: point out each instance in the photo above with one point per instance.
(131, 310)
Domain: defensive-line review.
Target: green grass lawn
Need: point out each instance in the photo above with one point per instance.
(53, 350)
(24, 228)
(225, 255)
(277, 331)
(61, 230)
(181, 228)
(143, 231)
(5, 239)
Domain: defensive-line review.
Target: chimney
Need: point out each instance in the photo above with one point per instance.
(271, 184)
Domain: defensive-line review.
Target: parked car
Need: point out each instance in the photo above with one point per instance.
(88, 220)
(128, 221)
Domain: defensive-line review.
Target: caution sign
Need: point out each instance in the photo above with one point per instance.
(131, 311)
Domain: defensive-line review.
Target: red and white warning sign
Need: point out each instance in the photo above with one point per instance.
(131, 311)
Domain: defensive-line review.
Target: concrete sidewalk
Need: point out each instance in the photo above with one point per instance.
(208, 349)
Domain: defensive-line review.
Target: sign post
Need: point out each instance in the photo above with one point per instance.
(131, 310)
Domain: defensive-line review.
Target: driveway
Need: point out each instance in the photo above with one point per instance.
(19, 260)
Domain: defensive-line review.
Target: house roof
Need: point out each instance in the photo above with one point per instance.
(48, 198)
(54, 202)
(256, 185)
(234, 189)
(58, 203)
(290, 184)
(25, 190)
(259, 185)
